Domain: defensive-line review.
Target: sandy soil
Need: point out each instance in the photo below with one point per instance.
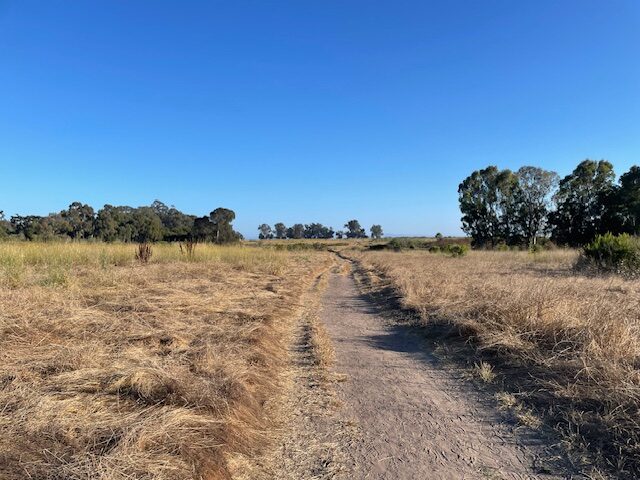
(414, 419)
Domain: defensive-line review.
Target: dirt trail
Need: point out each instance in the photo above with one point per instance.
(415, 420)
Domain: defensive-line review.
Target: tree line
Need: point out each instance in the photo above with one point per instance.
(157, 222)
(353, 229)
(518, 208)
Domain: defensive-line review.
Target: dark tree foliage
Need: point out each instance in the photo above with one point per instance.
(125, 224)
(216, 227)
(54, 226)
(80, 219)
(317, 230)
(223, 230)
(5, 226)
(27, 227)
(281, 230)
(376, 231)
(354, 230)
(516, 209)
(203, 229)
(488, 206)
(296, 231)
(623, 204)
(266, 232)
(177, 226)
(581, 203)
(146, 225)
(533, 200)
(109, 224)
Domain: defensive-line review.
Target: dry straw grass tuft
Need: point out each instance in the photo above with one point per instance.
(569, 342)
(122, 370)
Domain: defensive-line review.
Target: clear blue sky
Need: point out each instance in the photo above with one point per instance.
(301, 111)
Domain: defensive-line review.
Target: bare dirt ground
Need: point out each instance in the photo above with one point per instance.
(410, 417)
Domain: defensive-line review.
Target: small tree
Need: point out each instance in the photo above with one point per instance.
(146, 225)
(354, 230)
(265, 232)
(29, 226)
(80, 217)
(222, 227)
(317, 230)
(281, 230)
(297, 231)
(376, 231)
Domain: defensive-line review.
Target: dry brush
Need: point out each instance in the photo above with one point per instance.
(110, 369)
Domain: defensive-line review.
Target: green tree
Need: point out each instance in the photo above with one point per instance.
(80, 217)
(533, 198)
(54, 226)
(488, 206)
(146, 225)
(177, 225)
(580, 203)
(281, 230)
(28, 227)
(265, 232)
(317, 230)
(223, 229)
(216, 227)
(376, 231)
(203, 229)
(107, 223)
(629, 200)
(296, 231)
(4, 226)
(354, 230)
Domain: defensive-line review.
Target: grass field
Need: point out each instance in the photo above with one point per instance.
(569, 343)
(113, 369)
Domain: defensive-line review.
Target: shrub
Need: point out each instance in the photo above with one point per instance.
(535, 248)
(456, 250)
(434, 249)
(617, 253)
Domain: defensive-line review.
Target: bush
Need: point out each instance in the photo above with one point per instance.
(404, 243)
(536, 248)
(456, 250)
(617, 253)
(434, 249)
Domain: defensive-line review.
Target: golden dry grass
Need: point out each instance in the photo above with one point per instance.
(114, 370)
(571, 341)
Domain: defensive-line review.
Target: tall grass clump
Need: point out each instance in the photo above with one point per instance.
(144, 252)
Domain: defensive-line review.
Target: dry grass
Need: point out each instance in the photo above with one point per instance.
(110, 369)
(569, 342)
